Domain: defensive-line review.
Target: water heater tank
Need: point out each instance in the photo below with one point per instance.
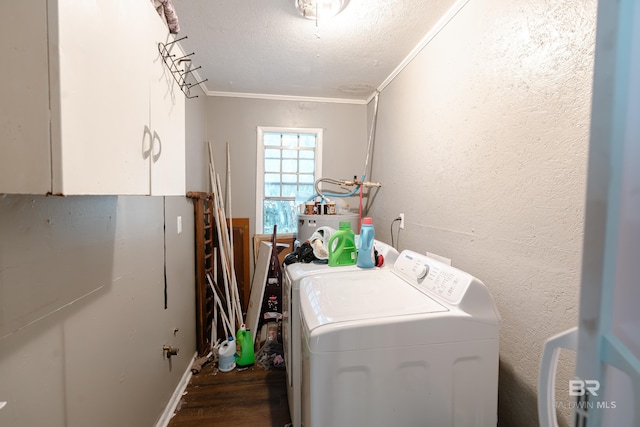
(308, 224)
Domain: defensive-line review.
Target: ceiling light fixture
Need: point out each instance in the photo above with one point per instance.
(320, 9)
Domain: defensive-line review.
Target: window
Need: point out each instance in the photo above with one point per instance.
(289, 162)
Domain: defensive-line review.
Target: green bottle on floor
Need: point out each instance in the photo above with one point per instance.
(342, 246)
(245, 355)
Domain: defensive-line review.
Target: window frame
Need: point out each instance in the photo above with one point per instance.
(260, 163)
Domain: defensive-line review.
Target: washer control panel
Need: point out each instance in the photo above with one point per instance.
(433, 277)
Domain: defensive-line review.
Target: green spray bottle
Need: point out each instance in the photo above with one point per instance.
(245, 355)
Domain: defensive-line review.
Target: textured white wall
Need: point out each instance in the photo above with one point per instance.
(482, 143)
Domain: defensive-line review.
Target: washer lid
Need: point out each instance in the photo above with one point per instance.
(297, 270)
(360, 295)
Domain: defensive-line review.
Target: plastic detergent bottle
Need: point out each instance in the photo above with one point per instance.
(226, 354)
(342, 246)
(245, 355)
(365, 245)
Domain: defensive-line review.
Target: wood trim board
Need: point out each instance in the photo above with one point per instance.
(257, 288)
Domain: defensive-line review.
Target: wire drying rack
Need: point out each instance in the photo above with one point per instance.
(180, 67)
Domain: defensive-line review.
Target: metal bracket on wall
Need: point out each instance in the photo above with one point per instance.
(180, 68)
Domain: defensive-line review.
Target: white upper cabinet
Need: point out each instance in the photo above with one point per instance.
(86, 103)
(167, 125)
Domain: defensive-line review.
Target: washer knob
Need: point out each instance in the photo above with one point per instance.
(422, 271)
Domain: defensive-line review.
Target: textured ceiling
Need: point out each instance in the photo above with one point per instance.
(265, 48)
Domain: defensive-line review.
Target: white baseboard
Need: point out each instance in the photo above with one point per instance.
(177, 395)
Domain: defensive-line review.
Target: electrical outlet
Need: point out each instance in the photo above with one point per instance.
(401, 221)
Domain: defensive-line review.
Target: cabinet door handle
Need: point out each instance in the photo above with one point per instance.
(147, 146)
(156, 143)
(152, 148)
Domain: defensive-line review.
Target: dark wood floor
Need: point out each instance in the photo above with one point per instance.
(253, 397)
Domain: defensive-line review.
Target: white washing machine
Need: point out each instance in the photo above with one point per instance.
(412, 345)
(293, 273)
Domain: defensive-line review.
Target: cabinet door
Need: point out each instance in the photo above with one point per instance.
(25, 152)
(83, 94)
(167, 124)
(102, 99)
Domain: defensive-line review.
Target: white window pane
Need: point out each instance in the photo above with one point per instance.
(307, 154)
(272, 153)
(307, 140)
(272, 178)
(305, 191)
(271, 139)
(289, 177)
(271, 165)
(283, 213)
(307, 166)
(289, 139)
(305, 178)
(272, 190)
(290, 154)
(290, 190)
(290, 166)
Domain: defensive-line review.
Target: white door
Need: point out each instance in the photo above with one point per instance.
(606, 387)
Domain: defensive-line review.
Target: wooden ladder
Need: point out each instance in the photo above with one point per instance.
(205, 245)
